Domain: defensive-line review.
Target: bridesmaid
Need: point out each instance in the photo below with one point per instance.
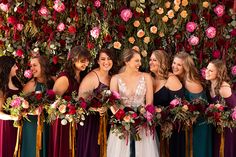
(9, 85)
(183, 66)
(66, 83)
(220, 90)
(166, 87)
(95, 81)
(42, 80)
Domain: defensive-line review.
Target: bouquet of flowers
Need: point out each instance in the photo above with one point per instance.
(125, 124)
(16, 106)
(220, 116)
(68, 110)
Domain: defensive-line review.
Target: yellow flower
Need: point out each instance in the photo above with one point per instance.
(184, 3)
(136, 48)
(144, 53)
(147, 19)
(160, 11)
(184, 14)
(140, 33)
(136, 23)
(167, 4)
(161, 34)
(205, 4)
(146, 40)
(185, 108)
(117, 45)
(170, 14)
(131, 40)
(177, 2)
(176, 8)
(153, 29)
(165, 18)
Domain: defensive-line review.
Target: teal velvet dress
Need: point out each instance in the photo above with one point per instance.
(28, 148)
(202, 132)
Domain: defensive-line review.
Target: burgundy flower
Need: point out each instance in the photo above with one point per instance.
(19, 53)
(20, 10)
(72, 109)
(120, 114)
(233, 33)
(67, 97)
(71, 29)
(217, 116)
(90, 45)
(62, 42)
(83, 104)
(177, 36)
(107, 38)
(12, 20)
(89, 10)
(51, 94)
(55, 59)
(150, 108)
(121, 28)
(96, 103)
(216, 54)
(16, 37)
(38, 96)
(191, 108)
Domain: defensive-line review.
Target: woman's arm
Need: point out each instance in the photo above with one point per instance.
(61, 85)
(114, 87)
(149, 92)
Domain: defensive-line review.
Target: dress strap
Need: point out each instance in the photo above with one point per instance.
(97, 76)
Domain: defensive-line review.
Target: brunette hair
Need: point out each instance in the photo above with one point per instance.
(128, 54)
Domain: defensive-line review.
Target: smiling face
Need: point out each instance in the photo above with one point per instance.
(154, 64)
(211, 72)
(105, 62)
(177, 66)
(135, 62)
(36, 68)
(81, 64)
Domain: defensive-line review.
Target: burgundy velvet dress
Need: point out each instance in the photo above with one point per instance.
(229, 135)
(8, 133)
(59, 134)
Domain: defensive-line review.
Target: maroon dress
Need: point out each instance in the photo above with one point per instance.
(229, 135)
(87, 135)
(8, 133)
(59, 134)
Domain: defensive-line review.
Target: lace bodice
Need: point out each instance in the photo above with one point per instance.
(132, 99)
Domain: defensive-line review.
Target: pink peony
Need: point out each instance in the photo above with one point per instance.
(43, 11)
(95, 32)
(191, 26)
(126, 14)
(211, 32)
(28, 74)
(219, 10)
(61, 26)
(233, 70)
(59, 6)
(16, 102)
(97, 3)
(203, 72)
(193, 40)
(19, 26)
(216, 54)
(174, 102)
(233, 115)
(4, 7)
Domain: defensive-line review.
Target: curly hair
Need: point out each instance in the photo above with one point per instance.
(163, 59)
(190, 70)
(6, 63)
(222, 75)
(75, 54)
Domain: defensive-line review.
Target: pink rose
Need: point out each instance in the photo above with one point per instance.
(219, 10)
(28, 74)
(193, 40)
(43, 11)
(174, 102)
(216, 54)
(211, 32)
(61, 26)
(233, 70)
(97, 3)
(233, 115)
(59, 6)
(4, 7)
(19, 26)
(149, 116)
(126, 14)
(16, 102)
(191, 26)
(203, 72)
(95, 32)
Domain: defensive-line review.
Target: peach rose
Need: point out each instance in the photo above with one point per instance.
(140, 33)
(136, 48)
(158, 110)
(170, 14)
(153, 29)
(147, 19)
(184, 3)
(177, 2)
(62, 108)
(184, 14)
(117, 45)
(176, 8)
(161, 34)
(127, 119)
(205, 4)
(136, 23)
(146, 40)
(167, 4)
(131, 40)
(160, 11)
(144, 53)
(165, 18)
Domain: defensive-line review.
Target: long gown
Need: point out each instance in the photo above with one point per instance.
(8, 133)
(202, 132)
(148, 144)
(87, 135)
(29, 132)
(163, 97)
(59, 134)
(229, 135)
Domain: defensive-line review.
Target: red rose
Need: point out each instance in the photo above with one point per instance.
(19, 53)
(89, 10)
(191, 108)
(107, 38)
(217, 116)
(20, 10)
(120, 114)
(83, 104)
(71, 29)
(72, 109)
(90, 45)
(55, 59)
(16, 37)
(51, 94)
(12, 20)
(216, 54)
(67, 97)
(38, 96)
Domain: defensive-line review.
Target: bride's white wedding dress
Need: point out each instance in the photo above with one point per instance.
(148, 146)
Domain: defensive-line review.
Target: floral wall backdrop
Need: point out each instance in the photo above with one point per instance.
(204, 28)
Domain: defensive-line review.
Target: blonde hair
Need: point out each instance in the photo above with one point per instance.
(128, 54)
(190, 70)
(163, 59)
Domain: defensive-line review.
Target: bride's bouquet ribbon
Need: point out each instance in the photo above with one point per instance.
(39, 134)
(17, 151)
(72, 131)
(102, 135)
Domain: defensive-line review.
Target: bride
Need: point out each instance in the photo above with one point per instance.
(135, 89)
